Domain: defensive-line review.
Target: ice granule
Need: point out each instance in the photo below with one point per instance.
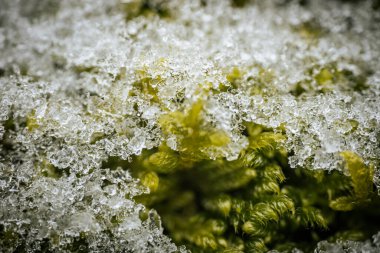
(369, 246)
(347, 246)
(72, 95)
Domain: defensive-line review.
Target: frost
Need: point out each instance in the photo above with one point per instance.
(350, 246)
(84, 81)
(345, 246)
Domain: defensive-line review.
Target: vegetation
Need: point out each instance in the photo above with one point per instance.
(256, 202)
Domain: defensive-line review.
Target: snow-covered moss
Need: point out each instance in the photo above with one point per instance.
(86, 86)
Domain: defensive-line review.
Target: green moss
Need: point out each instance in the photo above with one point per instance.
(147, 85)
(239, 3)
(96, 136)
(361, 183)
(146, 8)
(194, 135)
(47, 169)
(78, 69)
(256, 202)
(252, 204)
(310, 30)
(32, 122)
(150, 180)
(6, 142)
(8, 238)
(324, 79)
(213, 205)
(9, 124)
(234, 76)
(255, 79)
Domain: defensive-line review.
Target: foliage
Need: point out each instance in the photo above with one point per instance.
(361, 183)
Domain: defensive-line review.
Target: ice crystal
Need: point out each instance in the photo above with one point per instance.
(370, 246)
(345, 246)
(83, 81)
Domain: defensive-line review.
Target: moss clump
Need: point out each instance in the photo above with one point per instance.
(361, 190)
(239, 3)
(254, 203)
(256, 80)
(310, 30)
(194, 136)
(325, 79)
(32, 122)
(46, 169)
(146, 8)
